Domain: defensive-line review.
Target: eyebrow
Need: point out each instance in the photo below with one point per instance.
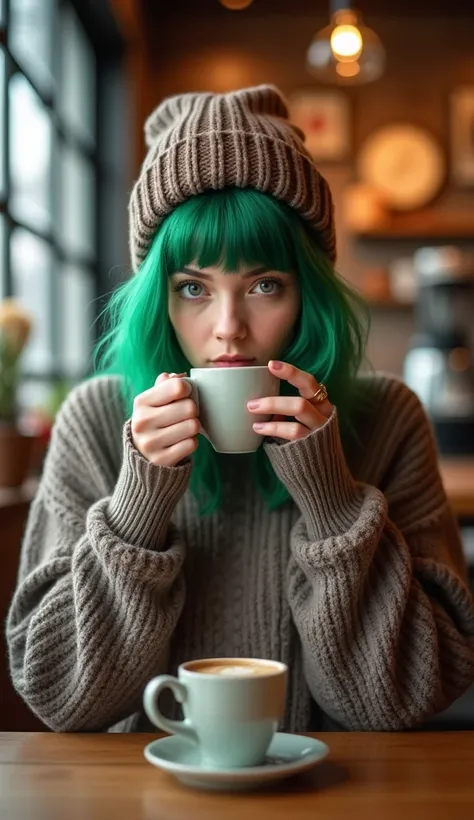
(200, 275)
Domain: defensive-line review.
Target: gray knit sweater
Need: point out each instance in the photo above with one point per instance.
(358, 583)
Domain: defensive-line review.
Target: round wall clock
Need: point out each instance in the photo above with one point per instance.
(404, 163)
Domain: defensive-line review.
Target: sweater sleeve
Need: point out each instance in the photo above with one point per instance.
(377, 580)
(100, 586)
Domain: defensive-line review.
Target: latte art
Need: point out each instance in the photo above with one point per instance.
(235, 669)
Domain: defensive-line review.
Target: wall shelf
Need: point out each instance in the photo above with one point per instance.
(389, 305)
(417, 225)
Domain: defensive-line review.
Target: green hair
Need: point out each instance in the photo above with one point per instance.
(328, 341)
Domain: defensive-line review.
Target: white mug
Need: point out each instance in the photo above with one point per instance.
(221, 394)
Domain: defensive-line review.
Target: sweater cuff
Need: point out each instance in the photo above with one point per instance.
(315, 473)
(144, 497)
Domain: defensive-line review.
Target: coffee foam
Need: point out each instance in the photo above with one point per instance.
(235, 669)
(230, 671)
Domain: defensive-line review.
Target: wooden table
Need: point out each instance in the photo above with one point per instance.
(411, 776)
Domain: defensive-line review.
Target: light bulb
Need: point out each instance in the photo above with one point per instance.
(346, 52)
(346, 42)
(235, 5)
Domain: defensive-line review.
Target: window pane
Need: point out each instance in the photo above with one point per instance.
(3, 289)
(30, 37)
(2, 113)
(76, 212)
(76, 309)
(77, 77)
(34, 394)
(30, 154)
(2, 12)
(32, 272)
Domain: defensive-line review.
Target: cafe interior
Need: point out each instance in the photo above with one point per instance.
(384, 93)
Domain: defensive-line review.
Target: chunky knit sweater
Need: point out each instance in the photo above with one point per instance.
(358, 583)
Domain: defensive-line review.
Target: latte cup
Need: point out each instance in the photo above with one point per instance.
(232, 708)
(221, 394)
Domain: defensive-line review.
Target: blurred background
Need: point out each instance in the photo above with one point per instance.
(385, 95)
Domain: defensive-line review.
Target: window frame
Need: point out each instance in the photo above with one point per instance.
(107, 44)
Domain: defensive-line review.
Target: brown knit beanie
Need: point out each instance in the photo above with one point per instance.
(203, 141)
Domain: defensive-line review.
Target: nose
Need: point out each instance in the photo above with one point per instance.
(229, 322)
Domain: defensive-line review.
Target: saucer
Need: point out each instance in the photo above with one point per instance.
(287, 755)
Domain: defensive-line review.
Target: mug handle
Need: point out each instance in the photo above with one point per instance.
(195, 397)
(151, 694)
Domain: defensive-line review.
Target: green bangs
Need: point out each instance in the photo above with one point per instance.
(231, 228)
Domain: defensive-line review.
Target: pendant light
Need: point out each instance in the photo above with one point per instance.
(346, 51)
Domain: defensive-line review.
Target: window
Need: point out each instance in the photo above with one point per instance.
(2, 118)
(3, 289)
(50, 198)
(30, 144)
(32, 267)
(30, 38)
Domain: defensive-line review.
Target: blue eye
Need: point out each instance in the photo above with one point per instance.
(274, 286)
(180, 288)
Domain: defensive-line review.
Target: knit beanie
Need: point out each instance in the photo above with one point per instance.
(203, 141)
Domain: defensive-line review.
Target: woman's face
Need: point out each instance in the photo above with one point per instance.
(248, 314)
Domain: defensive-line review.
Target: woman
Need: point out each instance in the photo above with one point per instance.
(332, 548)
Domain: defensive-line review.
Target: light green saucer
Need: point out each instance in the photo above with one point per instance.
(287, 755)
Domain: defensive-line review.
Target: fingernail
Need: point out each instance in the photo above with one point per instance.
(257, 426)
(252, 405)
(277, 365)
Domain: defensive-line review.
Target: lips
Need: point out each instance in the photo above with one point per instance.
(232, 361)
(235, 363)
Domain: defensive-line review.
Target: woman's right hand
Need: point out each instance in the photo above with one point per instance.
(165, 421)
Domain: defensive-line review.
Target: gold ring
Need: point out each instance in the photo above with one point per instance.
(320, 395)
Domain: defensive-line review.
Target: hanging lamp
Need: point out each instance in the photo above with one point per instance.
(346, 51)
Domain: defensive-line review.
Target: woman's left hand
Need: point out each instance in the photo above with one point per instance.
(309, 414)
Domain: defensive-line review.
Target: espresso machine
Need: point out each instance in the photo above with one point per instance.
(439, 363)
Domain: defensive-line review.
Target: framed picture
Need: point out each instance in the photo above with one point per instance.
(325, 119)
(461, 116)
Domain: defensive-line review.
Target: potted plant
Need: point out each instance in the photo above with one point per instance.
(15, 447)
